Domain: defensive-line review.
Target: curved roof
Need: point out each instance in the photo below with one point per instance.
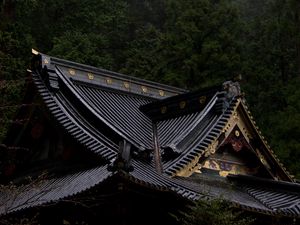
(99, 108)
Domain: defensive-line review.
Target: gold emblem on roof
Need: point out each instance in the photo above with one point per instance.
(182, 104)
(144, 89)
(126, 85)
(163, 109)
(109, 81)
(161, 93)
(202, 99)
(72, 72)
(90, 76)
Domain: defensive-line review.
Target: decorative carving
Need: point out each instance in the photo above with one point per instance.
(229, 162)
(232, 89)
(192, 167)
(236, 116)
(211, 149)
(237, 140)
(46, 61)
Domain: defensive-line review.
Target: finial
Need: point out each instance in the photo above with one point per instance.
(34, 52)
(123, 160)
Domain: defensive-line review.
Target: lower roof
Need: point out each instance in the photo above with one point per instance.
(268, 200)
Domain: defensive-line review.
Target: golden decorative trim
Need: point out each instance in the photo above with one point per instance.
(236, 116)
(90, 76)
(109, 81)
(182, 104)
(126, 85)
(211, 149)
(233, 120)
(163, 109)
(237, 119)
(35, 52)
(202, 99)
(194, 165)
(161, 93)
(144, 89)
(191, 168)
(223, 173)
(262, 159)
(72, 72)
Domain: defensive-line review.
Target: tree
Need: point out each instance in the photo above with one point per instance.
(214, 212)
(269, 68)
(195, 47)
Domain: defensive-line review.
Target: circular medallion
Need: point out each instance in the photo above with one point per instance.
(72, 72)
(237, 133)
(202, 99)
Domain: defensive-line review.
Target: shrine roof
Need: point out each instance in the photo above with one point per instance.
(100, 108)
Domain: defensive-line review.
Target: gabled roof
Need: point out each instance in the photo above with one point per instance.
(171, 132)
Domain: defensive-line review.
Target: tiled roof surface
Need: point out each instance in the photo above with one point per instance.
(75, 123)
(195, 140)
(249, 197)
(119, 110)
(286, 203)
(46, 191)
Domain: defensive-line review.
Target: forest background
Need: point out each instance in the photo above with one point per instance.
(185, 43)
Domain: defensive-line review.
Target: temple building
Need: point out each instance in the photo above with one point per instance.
(101, 146)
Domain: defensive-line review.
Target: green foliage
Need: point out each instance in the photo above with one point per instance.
(271, 73)
(196, 45)
(82, 48)
(215, 212)
(12, 70)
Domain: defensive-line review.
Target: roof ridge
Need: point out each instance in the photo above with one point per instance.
(103, 77)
